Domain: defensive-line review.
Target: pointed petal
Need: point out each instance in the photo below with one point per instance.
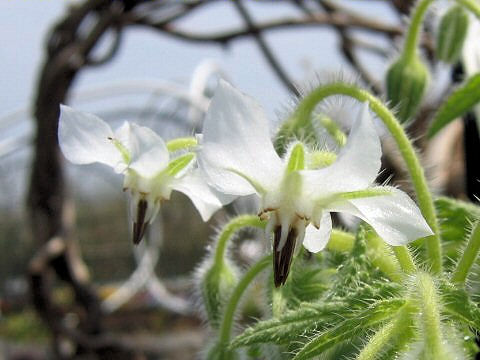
(316, 239)
(149, 154)
(236, 140)
(395, 218)
(206, 200)
(84, 138)
(356, 166)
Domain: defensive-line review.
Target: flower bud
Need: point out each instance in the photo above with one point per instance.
(216, 285)
(451, 34)
(407, 79)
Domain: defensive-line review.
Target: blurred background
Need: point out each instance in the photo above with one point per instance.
(71, 283)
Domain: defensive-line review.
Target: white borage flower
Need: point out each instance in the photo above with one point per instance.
(238, 158)
(142, 157)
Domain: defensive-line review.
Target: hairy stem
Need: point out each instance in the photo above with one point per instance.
(405, 259)
(414, 30)
(430, 318)
(228, 230)
(302, 116)
(227, 321)
(469, 255)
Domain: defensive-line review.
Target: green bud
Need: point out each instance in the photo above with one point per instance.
(407, 80)
(217, 285)
(451, 34)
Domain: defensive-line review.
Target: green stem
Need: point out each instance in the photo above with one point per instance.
(302, 117)
(430, 318)
(471, 5)
(405, 259)
(234, 225)
(227, 321)
(414, 30)
(394, 333)
(468, 257)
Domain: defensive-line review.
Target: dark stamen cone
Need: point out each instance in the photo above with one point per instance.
(139, 226)
(282, 259)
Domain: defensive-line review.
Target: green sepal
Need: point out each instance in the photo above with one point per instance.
(181, 144)
(178, 164)
(320, 159)
(126, 156)
(296, 161)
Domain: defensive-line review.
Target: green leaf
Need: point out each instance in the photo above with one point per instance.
(376, 313)
(458, 103)
(457, 304)
(455, 218)
(288, 327)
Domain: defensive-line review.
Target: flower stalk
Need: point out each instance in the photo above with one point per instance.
(228, 316)
(430, 318)
(414, 30)
(229, 229)
(468, 257)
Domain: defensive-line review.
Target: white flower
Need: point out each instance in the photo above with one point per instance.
(238, 158)
(142, 157)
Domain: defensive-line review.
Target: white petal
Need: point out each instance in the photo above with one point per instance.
(356, 166)
(84, 138)
(205, 199)
(316, 239)
(395, 218)
(236, 137)
(148, 151)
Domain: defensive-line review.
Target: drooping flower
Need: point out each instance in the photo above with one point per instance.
(238, 158)
(142, 157)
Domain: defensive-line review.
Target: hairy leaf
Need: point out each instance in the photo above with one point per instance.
(455, 222)
(457, 304)
(377, 313)
(293, 324)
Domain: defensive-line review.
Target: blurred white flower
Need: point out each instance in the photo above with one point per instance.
(142, 157)
(238, 158)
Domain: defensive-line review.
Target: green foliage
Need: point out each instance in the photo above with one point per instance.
(459, 305)
(457, 104)
(456, 218)
(362, 321)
